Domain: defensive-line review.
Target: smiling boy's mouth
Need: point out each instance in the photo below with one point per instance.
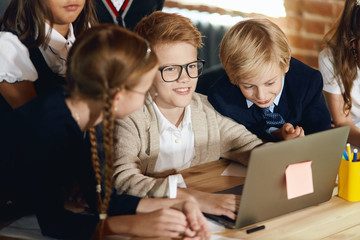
(182, 90)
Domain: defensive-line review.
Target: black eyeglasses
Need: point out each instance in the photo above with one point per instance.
(172, 73)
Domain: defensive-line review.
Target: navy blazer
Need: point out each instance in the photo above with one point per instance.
(301, 103)
(134, 11)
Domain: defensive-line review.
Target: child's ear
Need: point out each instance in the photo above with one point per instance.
(153, 92)
(118, 96)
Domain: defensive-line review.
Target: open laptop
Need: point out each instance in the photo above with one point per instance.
(264, 193)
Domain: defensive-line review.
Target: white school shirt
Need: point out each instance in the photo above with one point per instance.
(15, 62)
(58, 48)
(176, 143)
(331, 84)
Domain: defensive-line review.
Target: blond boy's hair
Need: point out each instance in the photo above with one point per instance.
(162, 27)
(253, 46)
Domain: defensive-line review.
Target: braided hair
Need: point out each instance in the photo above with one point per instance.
(103, 60)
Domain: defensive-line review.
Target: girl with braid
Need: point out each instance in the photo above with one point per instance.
(51, 155)
(34, 45)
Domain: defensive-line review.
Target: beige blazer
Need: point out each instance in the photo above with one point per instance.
(137, 148)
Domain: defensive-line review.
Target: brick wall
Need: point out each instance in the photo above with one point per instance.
(305, 24)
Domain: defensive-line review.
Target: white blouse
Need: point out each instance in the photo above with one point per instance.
(15, 62)
(331, 85)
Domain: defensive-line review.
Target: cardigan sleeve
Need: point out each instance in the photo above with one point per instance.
(236, 139)
(233, 139)
(132, 157)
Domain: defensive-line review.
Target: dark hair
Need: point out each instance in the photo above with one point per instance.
(26, 18)
(343, 42)
(103, 60)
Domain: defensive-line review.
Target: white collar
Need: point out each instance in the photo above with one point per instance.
(57, 41)
(164, 124)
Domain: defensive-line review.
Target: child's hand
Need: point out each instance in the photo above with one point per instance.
(198, 227)
(217, 204)
(289, 132)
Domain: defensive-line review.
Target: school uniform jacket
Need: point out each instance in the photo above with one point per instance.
(130, 12)
(137, 149)
(301, 103)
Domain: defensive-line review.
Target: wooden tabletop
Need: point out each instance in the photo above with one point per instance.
(207, 177)
(335, 219)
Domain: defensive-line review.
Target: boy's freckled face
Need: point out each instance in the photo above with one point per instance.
(177, 94)
(263, 88)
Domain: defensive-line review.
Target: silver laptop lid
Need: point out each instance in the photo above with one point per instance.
(264, 194)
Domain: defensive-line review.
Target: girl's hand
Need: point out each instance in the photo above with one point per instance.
(165, 222)
(212, 203)
(197, 222)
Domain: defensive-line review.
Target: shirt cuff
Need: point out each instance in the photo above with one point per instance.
(271, 130)
(175, 181)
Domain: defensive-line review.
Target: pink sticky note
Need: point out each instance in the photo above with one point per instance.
(299, 179)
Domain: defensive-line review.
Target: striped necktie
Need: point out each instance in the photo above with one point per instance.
(272, 119)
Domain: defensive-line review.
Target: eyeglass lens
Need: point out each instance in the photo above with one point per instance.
(173, 73)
